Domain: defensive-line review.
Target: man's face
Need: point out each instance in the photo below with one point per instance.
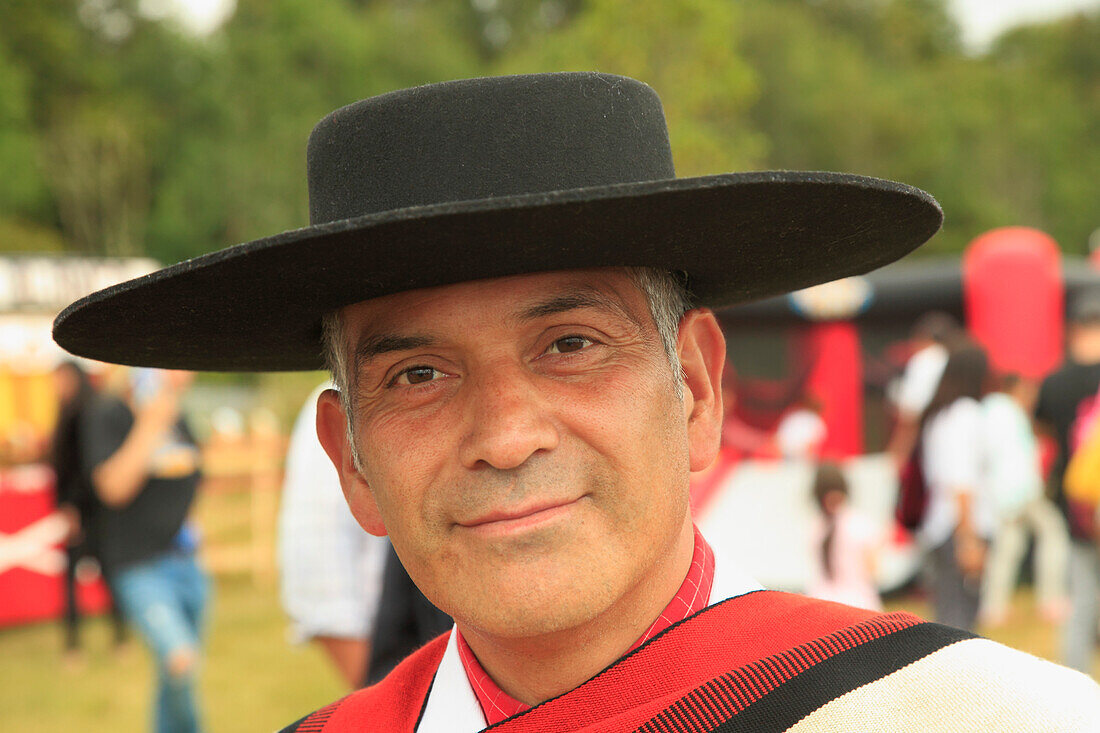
(522, 443)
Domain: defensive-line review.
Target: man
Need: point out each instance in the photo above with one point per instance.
(503, 269)
(1064, 396)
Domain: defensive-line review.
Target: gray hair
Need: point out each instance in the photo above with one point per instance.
(665, 292)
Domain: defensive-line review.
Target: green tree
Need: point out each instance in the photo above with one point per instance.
(22, 188)
(236, 170)
(686, 50)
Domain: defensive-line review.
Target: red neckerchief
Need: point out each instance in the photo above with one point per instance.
(692, 597)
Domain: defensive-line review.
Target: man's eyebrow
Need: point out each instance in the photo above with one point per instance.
(371, 346)
(581, 297)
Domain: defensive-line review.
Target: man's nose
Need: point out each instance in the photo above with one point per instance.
(507, 419)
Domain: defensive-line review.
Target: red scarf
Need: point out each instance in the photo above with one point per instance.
(692, 597)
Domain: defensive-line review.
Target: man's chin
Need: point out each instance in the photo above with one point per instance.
(531, 618)
(527, 601)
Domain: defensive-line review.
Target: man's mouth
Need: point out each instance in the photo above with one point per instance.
(514, 519)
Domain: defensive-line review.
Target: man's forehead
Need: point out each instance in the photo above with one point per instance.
(520, 297)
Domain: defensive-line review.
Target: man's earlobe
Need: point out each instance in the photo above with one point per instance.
(702, 350)
(333, 434)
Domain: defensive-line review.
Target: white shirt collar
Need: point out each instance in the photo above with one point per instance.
(452, 706)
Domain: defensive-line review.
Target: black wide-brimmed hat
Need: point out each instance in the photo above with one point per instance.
(484, 178)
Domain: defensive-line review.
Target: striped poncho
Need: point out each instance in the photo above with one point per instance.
(770, 661)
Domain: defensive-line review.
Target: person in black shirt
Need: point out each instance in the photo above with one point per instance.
(144, 466)
(1063, 396)
(76, 499)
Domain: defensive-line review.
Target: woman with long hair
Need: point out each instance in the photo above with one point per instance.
(959, 520)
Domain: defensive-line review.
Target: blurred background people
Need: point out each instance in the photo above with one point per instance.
(1015, 481)
(145, 467)
(76, 498)
(330, 570)
(846, 545)
(801, 432)
(918, 382)
(1064, 396)
(958, 522)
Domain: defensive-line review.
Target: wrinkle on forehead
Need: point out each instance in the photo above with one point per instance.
(580, 296)
(566, 291)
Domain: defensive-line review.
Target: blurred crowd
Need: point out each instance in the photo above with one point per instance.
(991, 465)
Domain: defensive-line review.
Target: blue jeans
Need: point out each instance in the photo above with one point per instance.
(164, 598)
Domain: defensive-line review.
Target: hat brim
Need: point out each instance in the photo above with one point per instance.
(739, 237)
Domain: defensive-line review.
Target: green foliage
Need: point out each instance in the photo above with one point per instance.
(21, 187)
(236, 166)
(883, 88)
(128, 135)
(706, 92)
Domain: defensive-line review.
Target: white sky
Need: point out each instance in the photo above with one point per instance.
(981, 20)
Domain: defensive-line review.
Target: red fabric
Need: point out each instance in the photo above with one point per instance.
(692, 597)
(836, 382)
(720, 639)
(391, 705)
(496, 704)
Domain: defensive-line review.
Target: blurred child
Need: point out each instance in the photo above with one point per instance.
(846, 545)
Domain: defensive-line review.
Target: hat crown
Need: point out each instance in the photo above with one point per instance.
(485, 138)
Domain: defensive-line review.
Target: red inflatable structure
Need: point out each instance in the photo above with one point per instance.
(1014, 296)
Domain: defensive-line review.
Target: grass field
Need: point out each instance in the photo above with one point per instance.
(252, 678)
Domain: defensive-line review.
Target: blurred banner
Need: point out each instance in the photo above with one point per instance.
(32, 557)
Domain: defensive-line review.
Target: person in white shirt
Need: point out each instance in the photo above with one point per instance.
(330, 570)
(959, 520)
(1015, 481)
(917, 385)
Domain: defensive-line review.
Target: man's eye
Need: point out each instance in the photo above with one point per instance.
(416, 375)
(569, 344)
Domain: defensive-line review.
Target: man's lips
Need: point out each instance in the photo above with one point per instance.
(519, 517)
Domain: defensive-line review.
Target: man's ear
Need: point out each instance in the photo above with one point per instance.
(333, 434)
(702, 350)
